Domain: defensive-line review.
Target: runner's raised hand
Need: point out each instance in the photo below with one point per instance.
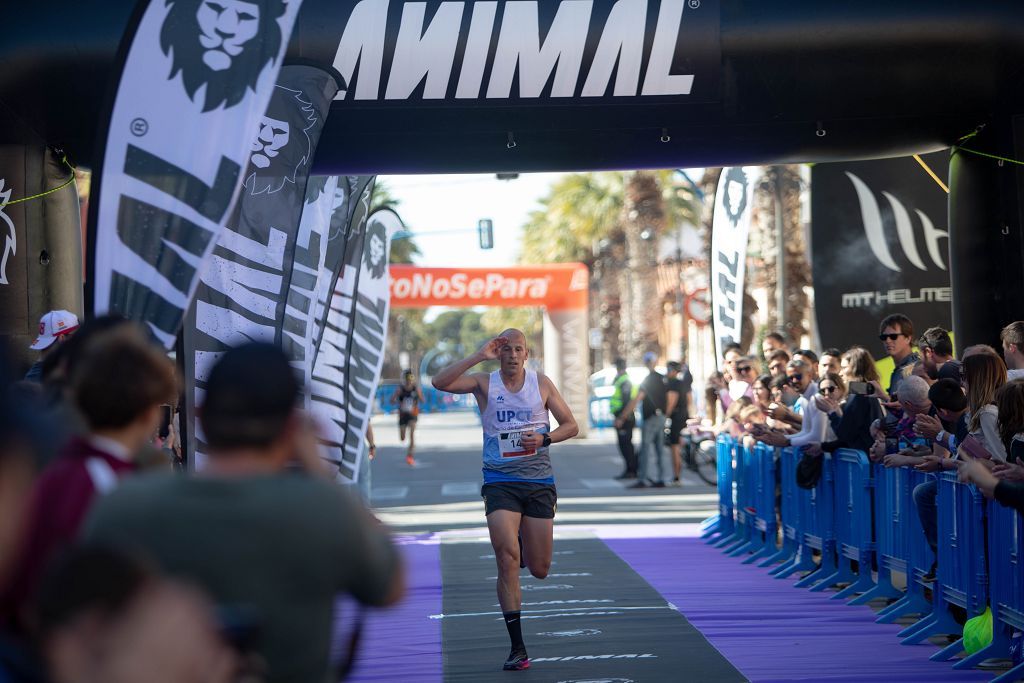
(491, 349)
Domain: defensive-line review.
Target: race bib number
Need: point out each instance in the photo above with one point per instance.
(511, 445)
(407, 404)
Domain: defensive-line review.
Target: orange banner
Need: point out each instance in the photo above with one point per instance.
(559, 286)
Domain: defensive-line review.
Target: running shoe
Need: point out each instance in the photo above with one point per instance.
(410, 461)
(517, 661)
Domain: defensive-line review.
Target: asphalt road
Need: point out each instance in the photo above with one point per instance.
(442, 491)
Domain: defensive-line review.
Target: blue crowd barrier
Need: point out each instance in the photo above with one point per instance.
(742, 485)
(867, 513)
(746, 482)
(724, 526)
(902, 546)
(789, 511)
(814, 528)
(1006, 590)
(854, 531)
(962, 577)
(763, 498)
(434, 401)
(755, 502)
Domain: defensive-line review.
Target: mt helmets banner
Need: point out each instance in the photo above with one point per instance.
(879, 245)
(351, 355)
(250, 290)
(734, 202)
(197, 78)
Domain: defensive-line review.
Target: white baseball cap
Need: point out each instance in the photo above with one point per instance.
(52, 325)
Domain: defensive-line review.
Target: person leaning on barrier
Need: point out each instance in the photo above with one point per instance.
(948, 427)
(270, 540)
(1007, 493)
(914, 401)
(862, 406)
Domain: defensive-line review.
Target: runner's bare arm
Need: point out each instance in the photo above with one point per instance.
(567, 427)
(454, 379)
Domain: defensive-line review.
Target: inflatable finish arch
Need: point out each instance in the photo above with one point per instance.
(526, 85)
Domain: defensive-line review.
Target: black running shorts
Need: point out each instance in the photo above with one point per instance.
(405, 418)
(673, 432)
(528, 498)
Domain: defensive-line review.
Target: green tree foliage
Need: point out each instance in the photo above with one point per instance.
(403, 249)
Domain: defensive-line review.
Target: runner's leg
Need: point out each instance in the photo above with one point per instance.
(538, 542)
(503, 526)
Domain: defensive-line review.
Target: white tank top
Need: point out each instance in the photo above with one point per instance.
(507, 416)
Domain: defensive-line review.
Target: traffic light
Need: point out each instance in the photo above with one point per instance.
(485, 229)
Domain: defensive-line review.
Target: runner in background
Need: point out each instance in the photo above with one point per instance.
(519, 484)
(408, 397)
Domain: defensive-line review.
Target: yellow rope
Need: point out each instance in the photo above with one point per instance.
(930, 172)
(52, 190)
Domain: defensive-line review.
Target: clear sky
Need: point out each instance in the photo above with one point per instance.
(433, 203)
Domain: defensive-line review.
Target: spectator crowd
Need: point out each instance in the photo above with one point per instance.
(933, 412)
(117, 566)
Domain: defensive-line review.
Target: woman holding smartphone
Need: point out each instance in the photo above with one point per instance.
(984, 374)
(862, 407)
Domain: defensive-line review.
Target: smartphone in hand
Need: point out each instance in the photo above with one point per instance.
(974, 448)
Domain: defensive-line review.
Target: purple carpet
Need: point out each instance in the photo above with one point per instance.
(771, 631)
(403, 643)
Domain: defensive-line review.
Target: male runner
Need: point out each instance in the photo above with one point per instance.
(519, 485)
(408, 397)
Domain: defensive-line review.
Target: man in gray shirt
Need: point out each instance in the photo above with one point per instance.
(266, 539)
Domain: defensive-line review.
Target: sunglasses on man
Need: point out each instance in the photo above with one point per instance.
(795, 379)
(890, 337)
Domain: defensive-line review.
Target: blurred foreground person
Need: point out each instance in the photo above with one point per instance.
(106, 618)
(117, 388)
(273, 546)
(19, 457)
(55, 327)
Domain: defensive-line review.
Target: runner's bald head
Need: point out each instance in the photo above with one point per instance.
(514, 335)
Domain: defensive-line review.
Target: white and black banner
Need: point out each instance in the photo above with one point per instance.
(306, 274)
(251, 289)
(351, 353)
(880, 245)
(734, 202)
(196, 81)
(574, 51)
(349, 208)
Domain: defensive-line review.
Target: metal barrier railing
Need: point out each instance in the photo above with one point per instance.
(867, 514)
(854, 530)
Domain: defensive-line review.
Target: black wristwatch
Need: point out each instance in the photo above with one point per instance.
(546, 441)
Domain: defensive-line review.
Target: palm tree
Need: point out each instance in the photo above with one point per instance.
(793, 247)
(643, 222)
(585, 218)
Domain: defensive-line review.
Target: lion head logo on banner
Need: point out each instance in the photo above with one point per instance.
(275, 134)
(221, 46)
(735, 196)
(375, 256)
(315, 187)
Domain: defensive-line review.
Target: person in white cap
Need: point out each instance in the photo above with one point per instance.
(54, 327)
